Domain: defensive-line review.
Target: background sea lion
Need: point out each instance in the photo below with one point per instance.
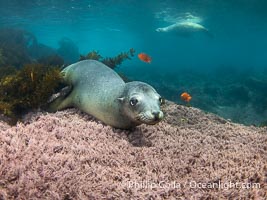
(99, 91)
(185, 29)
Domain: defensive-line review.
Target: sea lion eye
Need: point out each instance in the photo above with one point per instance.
(133, 102)
(161, 101)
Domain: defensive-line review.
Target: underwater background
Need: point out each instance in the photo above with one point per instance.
(225, 74)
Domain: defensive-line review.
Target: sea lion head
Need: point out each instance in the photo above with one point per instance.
(141, 103)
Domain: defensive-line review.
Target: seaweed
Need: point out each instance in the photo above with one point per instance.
(27, 89)
(110, 62)
(93, 55)
(7, 70)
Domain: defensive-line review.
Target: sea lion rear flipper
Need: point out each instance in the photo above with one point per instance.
(209, 34)
(60, 100)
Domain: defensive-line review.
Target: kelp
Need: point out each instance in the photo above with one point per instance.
(110, 62)
(93, 55)
(28, 88)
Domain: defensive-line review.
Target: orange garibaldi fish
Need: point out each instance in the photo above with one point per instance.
(144, 57)
(186, 97)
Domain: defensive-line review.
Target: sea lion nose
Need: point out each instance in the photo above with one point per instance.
(156, 115)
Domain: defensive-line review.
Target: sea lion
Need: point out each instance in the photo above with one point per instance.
(99, 91)
(185, 29)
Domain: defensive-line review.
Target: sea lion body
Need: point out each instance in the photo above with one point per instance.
(100, 92)
(184, 28)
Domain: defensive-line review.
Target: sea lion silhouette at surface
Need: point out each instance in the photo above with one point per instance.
(185, 29)
(100, 92)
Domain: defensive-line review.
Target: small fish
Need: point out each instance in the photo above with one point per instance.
(186, 97)
(144, 57)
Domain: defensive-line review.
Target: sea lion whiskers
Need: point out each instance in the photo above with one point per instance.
(147, 118)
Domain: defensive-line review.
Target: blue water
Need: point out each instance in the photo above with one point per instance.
(225, 74)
